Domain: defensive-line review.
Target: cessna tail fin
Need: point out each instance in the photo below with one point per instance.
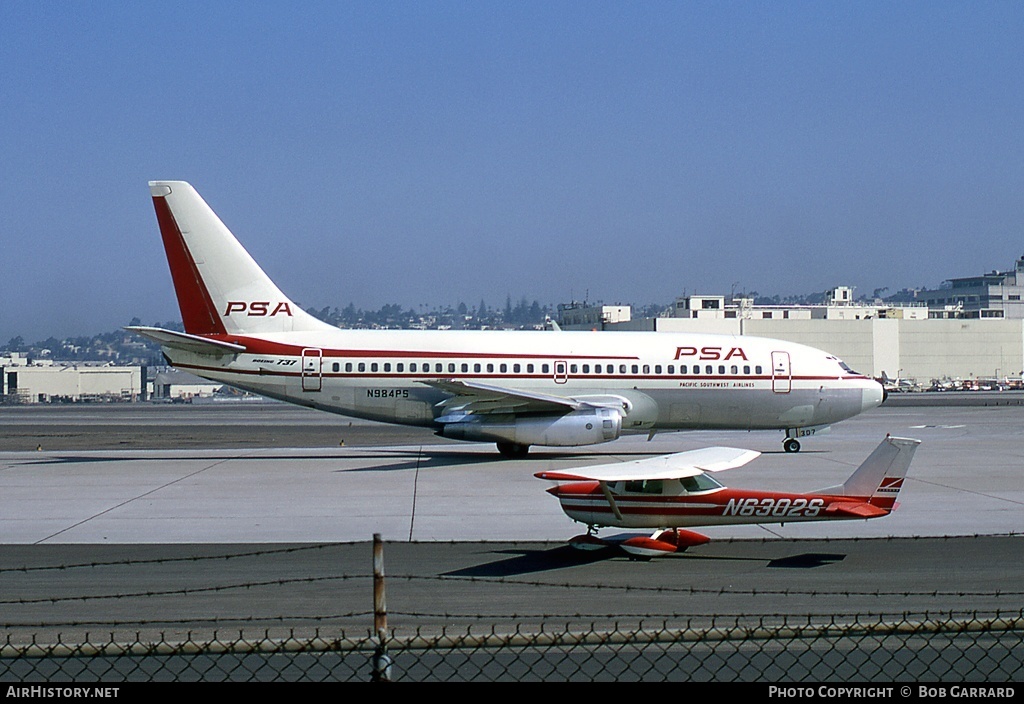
(880, 476)
(220, 288)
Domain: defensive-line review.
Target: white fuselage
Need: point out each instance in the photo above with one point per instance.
(669, 381)
(514, 388)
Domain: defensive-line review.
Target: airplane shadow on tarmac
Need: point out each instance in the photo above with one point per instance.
(563, 557)
(532, 561)
(416, 458)
(421, 459)
(449, 458)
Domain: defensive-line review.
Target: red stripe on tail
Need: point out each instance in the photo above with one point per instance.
(197, 310)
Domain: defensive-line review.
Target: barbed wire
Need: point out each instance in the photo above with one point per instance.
(184, 591)
(575, 586)
(266, 552)
(161, 560)
(712, 590)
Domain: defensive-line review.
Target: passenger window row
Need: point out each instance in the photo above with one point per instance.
(545, 369)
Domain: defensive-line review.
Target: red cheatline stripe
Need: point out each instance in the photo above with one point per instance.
(256, 345)
(197, 310)
(327, 373)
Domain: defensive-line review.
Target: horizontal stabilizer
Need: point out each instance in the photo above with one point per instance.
(184, 341)
(855, 510)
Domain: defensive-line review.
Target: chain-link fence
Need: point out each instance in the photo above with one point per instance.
(902, 649)
(285, 613)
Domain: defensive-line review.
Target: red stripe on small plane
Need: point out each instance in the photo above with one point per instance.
(197, 310)
(665, 509)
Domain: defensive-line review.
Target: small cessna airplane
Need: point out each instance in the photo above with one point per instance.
(514, 388)
(671, 492)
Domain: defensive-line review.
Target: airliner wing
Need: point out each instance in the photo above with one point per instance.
(187, 342)
(472, 397)
(675, 466)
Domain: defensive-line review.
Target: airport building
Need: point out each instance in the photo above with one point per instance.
(24, 381)
(30, 381)
(995, 295)
(175, 385)
(840, 306)
(970, 331)
(584, 316)
(924, 350)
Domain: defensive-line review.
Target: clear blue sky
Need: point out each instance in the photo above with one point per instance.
(437, 152)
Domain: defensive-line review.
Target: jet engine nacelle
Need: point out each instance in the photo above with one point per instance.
(587, 427)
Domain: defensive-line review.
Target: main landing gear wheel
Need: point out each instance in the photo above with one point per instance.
(791, 445)
(513, 451)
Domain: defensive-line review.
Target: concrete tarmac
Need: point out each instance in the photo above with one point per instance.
(294, 475)
(64, 590)
(260, 516)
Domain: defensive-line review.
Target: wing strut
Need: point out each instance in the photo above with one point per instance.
(611, 500)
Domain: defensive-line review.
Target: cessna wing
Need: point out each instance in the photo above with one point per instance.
(470, 397)
(185, 341)
(675, 466)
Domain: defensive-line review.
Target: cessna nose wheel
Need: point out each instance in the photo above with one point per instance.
(791, 445)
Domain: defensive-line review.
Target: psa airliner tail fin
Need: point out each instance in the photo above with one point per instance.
(220, 288)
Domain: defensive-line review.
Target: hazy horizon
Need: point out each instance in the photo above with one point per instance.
(424, 154)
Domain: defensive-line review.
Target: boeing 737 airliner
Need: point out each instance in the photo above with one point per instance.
(514, 388)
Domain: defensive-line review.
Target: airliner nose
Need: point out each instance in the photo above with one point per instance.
(872, 396)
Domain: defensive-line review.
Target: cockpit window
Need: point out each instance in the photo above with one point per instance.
(698, 483)
(845, 367)
(690, 485)
(644, 486)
